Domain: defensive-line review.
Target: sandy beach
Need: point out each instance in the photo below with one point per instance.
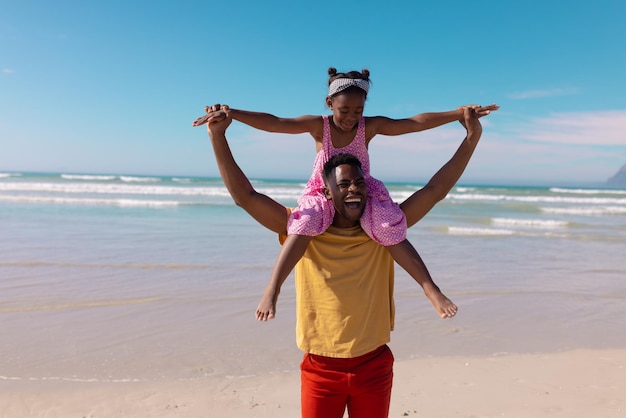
(121, 298)
(579, 383)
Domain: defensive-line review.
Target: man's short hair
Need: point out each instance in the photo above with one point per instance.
(340, 159)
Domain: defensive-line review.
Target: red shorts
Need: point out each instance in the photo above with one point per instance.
(363, 384)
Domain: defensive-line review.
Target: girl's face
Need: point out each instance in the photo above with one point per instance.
(347, 109)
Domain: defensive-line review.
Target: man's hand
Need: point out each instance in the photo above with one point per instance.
(471, 123)
(216, 119)
(214, 113)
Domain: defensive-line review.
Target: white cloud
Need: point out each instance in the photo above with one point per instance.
(582, 128)
(535, 94)
(8, 71)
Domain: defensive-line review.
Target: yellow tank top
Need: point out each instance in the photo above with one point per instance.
(344, 294)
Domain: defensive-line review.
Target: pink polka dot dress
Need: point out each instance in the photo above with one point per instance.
(382, 220)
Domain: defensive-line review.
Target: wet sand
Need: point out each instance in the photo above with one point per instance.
(579, 383)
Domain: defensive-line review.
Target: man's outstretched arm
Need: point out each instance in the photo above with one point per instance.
(264, 209)
(422, 201)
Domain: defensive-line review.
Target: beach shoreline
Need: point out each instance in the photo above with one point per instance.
(579, 383)
(128, 298)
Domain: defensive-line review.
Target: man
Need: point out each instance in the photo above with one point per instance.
(344, 282)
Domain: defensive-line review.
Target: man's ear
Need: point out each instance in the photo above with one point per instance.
(327, 193)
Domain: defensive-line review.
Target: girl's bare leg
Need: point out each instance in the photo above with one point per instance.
(407, 257)
(291, 252)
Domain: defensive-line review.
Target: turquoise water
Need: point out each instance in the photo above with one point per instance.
(126, 277)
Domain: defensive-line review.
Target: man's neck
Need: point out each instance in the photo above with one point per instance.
(340, 222)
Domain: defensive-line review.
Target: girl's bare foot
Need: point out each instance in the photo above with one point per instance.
(267, 307)
(444, 306)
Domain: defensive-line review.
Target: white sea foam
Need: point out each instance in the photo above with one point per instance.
(586, 210)
(281, 192)
(70, 192)
(538, 199)
(399, 196)
(465, 189)
(131, 179)
(458, 230)
(111, 188)
(89, 201)
(6, 175)
(87, 177)
(181, 180)
(529, 223)
(587, 191)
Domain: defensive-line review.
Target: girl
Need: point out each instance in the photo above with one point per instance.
(346, 131)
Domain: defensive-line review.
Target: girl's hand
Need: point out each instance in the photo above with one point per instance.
(480, 110)
(485, 110)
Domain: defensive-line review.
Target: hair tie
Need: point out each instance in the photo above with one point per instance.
(341, 84)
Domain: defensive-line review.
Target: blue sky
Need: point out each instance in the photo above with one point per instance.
(112, 87)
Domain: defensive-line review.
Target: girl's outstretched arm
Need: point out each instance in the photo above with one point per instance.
(291, 252)
(270, 123)
(392, 127)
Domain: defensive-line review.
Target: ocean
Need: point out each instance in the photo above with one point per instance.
(124, 278)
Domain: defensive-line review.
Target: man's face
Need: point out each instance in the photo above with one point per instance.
(346, 188)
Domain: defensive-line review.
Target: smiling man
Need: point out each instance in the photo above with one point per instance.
(344, 282)
(345, 310)
(345, 187)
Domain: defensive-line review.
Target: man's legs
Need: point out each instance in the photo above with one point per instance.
(324, 390)
(370, 392)
(363, 384)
